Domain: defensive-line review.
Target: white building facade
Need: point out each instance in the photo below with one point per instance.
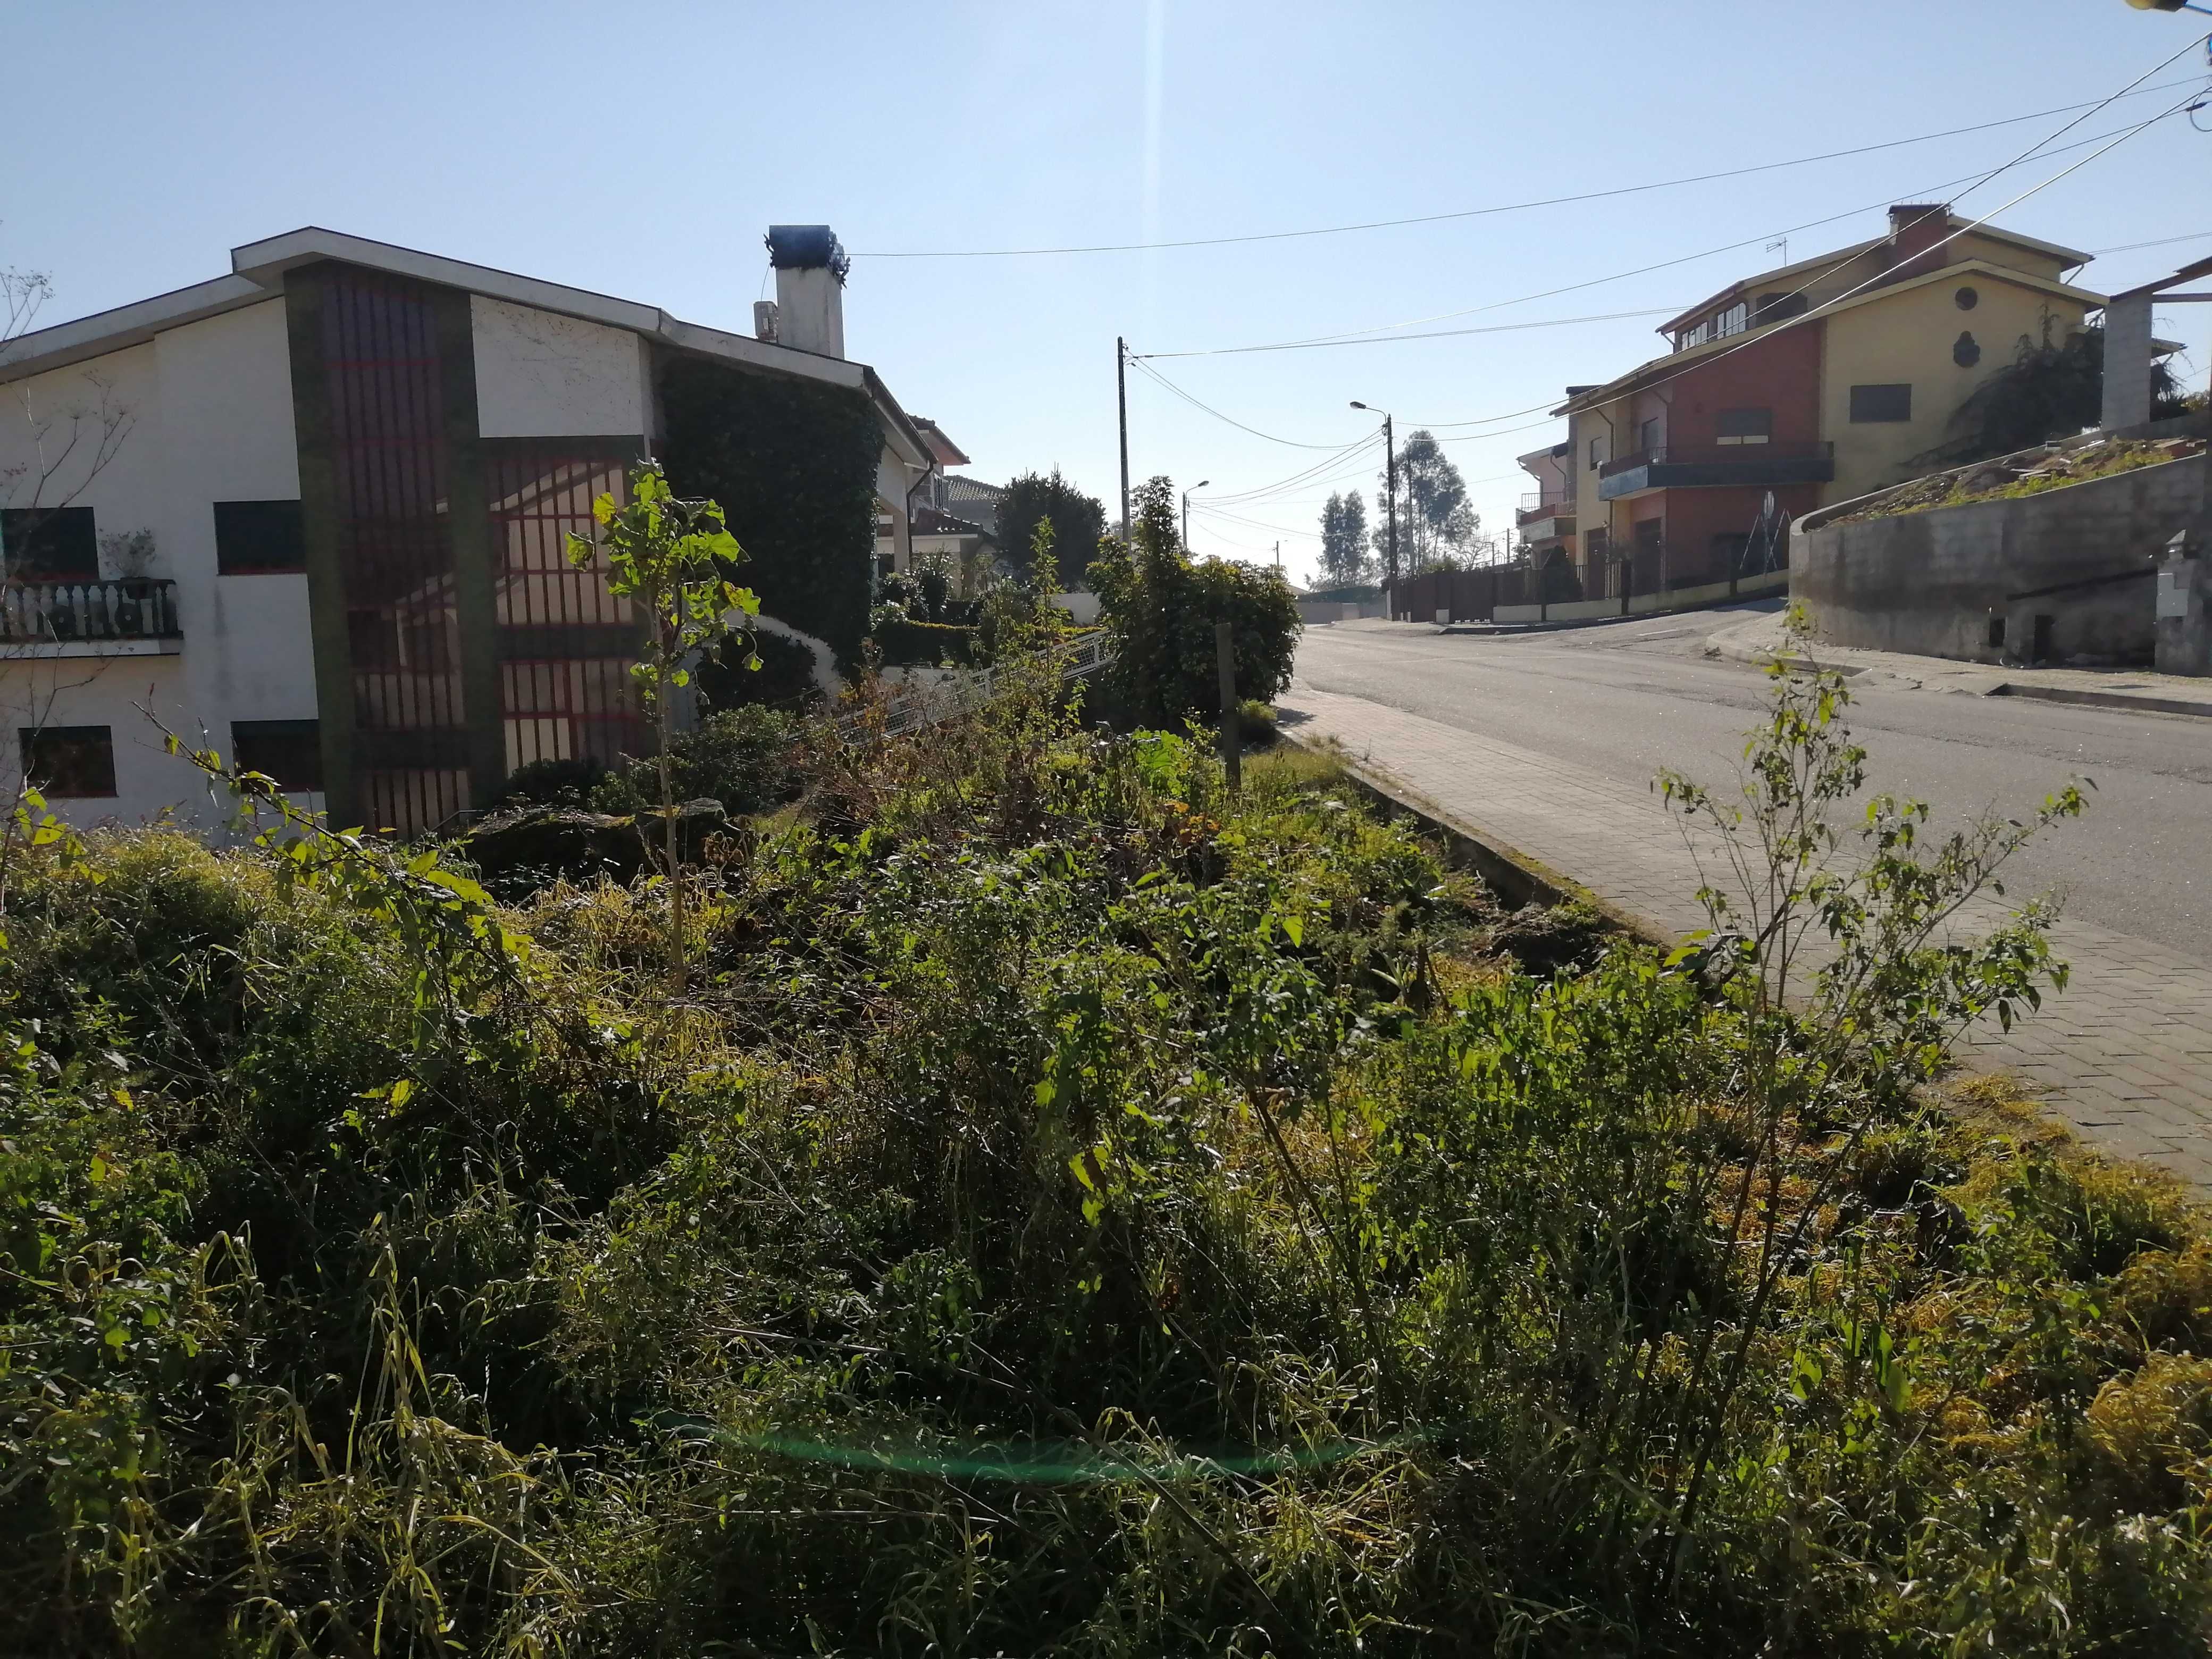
(314, 514)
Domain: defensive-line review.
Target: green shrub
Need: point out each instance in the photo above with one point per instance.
(1161, 610)
(926, 645)
(784, 679)
(744, 757)
(1255, 722)
(553, 782)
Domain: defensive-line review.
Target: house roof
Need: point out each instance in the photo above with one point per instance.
(1673, 363)
(942, 449)
(257, 274)
(1952, 225)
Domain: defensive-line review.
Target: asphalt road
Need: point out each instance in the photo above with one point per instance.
(1625, 700)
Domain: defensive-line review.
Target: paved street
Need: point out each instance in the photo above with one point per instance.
(1548, 742)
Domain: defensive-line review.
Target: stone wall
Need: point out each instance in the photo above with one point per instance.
(1971, 582)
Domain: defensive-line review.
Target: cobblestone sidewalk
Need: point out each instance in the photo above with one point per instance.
(2124, 1054)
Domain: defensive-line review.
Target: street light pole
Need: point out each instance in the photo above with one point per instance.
(1389, 501)
(1200, 485)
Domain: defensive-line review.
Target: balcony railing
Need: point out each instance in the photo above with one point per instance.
(1717, 454)
(1544, 503)
(88, 613)
(1686, 466)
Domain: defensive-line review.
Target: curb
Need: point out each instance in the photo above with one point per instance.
(2126, 701)
(1516, 877)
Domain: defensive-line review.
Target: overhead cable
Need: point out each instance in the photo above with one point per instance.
(1510, 207)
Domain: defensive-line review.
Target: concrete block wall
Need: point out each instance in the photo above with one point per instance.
(2084, 556)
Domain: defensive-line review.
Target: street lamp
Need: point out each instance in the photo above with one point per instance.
(2168, 5)
(1389, 501)
(1200, 485)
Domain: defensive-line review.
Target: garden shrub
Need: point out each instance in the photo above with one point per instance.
(926, 645)
(743, 757)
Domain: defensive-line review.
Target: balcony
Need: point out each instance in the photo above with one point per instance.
(1708, 466)
(135, 616)
(1544, 504)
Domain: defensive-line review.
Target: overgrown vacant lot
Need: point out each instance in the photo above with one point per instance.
(1069, 1212)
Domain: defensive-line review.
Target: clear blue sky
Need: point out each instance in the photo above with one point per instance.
(641, 150)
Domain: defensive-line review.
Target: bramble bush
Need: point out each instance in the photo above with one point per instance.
(1071, 1210)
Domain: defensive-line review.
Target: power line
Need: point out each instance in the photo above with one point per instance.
(1306, 474)
(1511, 207)
(1819, 311)
(2164, 242)
(1153, 374)
(1362, 337)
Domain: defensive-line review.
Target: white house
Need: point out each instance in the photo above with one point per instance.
(315, 510)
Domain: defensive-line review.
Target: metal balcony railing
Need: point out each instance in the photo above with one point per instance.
(34, 612)
(1717, 455)
(1544, 504)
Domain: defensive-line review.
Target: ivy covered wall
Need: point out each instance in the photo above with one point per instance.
(793, 465)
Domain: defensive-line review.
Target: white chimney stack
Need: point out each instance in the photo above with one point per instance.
(809, 287)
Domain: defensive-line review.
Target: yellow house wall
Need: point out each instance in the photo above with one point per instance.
(1908, 338)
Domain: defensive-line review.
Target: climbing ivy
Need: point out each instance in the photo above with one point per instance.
(793, 465)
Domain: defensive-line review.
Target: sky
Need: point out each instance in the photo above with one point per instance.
(641, 150)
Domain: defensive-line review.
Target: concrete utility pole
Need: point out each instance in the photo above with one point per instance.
(1389, 502)
(1122, 401)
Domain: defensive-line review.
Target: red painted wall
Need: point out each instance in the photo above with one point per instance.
(1781, 372)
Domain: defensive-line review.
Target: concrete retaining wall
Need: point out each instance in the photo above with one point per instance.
(1935, 583)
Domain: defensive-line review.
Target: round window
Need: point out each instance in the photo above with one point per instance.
(1967, 298)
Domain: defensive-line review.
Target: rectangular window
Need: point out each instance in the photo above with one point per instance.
(1773, 307)
(291, 751)
(1697, 336)
(1647, 435)
(1734, 320)
(1743, 426)
(69, 762)
(257, 539)
(1596, 456)
(50, 544)
(1881, 402)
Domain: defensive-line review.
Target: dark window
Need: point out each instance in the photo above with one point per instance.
(1647, 435)
(1650, 537)
(1996, 633)
(1743, 426)
(1773, 307)
(291, 751)
(70, 762)
(1593, 456)
(252, 538)
(1966, 299)
(1881, 402)
(50, 544)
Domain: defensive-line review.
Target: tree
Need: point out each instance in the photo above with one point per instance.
(2048, 391)
(667, 557)
(1344, 557)
(1160, 609)
(1436, 526)
(1078, 522)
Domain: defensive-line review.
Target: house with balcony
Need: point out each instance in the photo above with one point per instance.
(313, 513)
(1792, 388)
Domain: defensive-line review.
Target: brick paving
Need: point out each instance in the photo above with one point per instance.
(2123, 1054)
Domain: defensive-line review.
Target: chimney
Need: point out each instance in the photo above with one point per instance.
(809, 287)
(1915, 228)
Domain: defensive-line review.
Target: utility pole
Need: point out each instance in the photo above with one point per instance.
(1121, 398)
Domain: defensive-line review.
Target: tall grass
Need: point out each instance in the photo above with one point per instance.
(1073, 1211)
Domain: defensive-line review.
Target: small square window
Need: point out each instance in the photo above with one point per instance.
(254, 538)
(291, 751)
(1880, 403)
(50, 544)
(69, 762)
(1743, 426)
(1595, 456)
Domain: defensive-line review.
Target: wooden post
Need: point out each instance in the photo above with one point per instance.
(1233, 739)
